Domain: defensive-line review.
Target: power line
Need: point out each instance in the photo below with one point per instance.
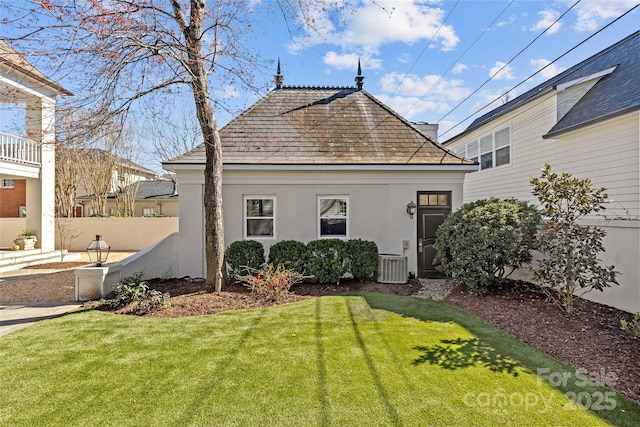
(510, 61)
(458, 58)
(542, 69)
(423, 51)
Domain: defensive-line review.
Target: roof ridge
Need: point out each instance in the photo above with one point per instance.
(319, 87)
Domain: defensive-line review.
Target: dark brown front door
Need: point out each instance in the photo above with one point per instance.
(433, 208)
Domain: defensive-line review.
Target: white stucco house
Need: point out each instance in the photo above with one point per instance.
(30, 156)
(308, 163)
(584, 121)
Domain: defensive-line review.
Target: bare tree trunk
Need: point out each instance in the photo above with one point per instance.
(214, 222)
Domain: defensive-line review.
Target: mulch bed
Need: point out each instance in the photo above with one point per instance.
(591, 340)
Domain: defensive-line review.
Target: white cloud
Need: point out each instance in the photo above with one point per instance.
(593, 13)
(227, 92)
(551, 70)
(459, 68)
(404, 58)
(502, 71)
(547, 17)
(379, 23)
(412, 96)
(349, 61)
(488, 100)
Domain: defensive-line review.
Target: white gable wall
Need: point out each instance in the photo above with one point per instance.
(377, 206)
(607, 152)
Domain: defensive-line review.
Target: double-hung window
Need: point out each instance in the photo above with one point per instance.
(490, 151)
(333, 216)
(259, 216)
(502, 147)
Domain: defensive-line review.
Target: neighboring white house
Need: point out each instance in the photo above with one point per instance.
(30, 156)
(585, 121)
(307, 163)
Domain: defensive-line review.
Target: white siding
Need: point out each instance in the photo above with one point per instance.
(607, 152)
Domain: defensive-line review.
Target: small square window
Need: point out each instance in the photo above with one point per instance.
(7, 183)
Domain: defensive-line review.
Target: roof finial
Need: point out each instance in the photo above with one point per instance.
(279, 77)
(359, 77)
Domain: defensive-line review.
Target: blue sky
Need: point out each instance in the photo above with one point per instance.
(423, 58)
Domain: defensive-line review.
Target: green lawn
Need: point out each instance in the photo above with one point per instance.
(365, 360)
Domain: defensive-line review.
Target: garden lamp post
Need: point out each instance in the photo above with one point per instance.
(98, 251)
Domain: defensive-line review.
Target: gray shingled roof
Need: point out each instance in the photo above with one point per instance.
(148, 190)
(156, 190)
(320, 126)
(615, 93)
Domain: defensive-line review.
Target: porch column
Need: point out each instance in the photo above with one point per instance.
(41, 192)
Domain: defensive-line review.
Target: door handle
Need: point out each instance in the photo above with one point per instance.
(420, 245)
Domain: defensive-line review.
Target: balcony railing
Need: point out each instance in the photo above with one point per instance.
(19, 150)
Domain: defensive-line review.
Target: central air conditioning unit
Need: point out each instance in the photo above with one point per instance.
(392, 268)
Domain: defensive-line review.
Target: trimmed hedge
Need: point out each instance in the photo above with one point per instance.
(327, 260)
(290, 254)
(321, 261)
(363, 259)
(244, 256)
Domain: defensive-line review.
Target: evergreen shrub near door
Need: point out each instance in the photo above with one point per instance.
(484, 241)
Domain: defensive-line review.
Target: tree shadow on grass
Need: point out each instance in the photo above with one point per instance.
(463, 353)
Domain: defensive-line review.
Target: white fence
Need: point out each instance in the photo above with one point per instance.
(122, 234)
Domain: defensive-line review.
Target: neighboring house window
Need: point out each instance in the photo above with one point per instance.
(259, 216)
(148, 212)
(486, 152)
(502, 142)
(7, 183)
(472, 150)
(333, 216)
(490, 150)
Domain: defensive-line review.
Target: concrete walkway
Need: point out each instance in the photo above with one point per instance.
(18, 316)
(14, 316)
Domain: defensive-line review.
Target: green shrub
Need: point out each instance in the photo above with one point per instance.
(242, 256)
(570, 267)
(484, 241)
(290, 254)
(632, 326)
(133, 290)
(363, 259)
(326, 260)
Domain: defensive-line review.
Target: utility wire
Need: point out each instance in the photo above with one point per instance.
(543, 68)
(453, 64)
(422, 52)
(510, 61)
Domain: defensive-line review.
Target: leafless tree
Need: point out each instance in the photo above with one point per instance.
(129, 49)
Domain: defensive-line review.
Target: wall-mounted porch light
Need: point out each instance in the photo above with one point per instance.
(98, 251)
(411, 209)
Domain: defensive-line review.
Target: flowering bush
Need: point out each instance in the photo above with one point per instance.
(271, 281)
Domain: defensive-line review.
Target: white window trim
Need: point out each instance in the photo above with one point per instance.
(7, 186)
(244, 215)
(318, 222)
(494, 149)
